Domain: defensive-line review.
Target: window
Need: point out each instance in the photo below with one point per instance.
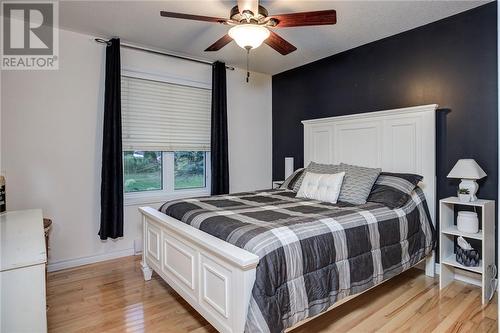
(142, 170)
(189, 169)
(164, 171)
(166, 136)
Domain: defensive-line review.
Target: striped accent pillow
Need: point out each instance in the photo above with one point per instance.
(289, 183)
(358, 182)
(393, 189)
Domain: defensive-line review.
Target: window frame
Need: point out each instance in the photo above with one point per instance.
(168, 191)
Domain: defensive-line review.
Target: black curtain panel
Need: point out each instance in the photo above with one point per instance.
(112, 163)
(219, 155)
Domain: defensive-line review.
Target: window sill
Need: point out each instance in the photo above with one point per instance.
(133, 199)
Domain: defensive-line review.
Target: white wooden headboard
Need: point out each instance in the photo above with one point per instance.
(398, 140)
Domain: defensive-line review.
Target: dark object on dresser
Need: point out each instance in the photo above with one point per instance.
(47, 224)
(469, 258)
(3, 206)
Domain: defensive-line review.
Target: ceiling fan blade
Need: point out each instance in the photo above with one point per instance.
(193, 17)
(252, 5)
(219, 44)
(322, 17)
(279, 44)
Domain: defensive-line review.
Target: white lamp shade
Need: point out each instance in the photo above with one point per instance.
(249, 35)
(288, 166)
(467, 168)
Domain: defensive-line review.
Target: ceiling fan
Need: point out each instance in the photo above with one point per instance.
(252, 25)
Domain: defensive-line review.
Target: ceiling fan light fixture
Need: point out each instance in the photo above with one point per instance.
(249, 35)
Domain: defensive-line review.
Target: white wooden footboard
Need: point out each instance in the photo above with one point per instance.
(213, 276)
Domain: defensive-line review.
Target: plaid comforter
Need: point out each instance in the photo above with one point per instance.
(312, 253)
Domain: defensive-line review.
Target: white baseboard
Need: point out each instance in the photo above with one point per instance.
(70, 263)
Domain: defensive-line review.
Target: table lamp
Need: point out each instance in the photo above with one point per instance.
(468, 170)
(288, 166)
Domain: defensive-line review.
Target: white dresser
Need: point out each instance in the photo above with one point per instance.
(22, 272)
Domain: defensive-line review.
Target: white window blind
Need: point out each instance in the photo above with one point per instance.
(163, 116)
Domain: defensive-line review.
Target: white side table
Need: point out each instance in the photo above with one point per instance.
(448, 232)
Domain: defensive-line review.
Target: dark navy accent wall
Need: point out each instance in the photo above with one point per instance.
(451, 62)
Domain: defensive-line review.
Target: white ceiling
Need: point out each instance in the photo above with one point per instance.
(358, 23)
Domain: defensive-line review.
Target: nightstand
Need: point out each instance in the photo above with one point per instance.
(448, 233)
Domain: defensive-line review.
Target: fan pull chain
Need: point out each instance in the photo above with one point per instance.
(248, 63)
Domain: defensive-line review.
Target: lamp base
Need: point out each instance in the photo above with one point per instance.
(471, 185)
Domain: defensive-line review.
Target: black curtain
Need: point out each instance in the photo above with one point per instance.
(219, 155)
(112, 163)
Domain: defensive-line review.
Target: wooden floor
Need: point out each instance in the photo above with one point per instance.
(113, 297)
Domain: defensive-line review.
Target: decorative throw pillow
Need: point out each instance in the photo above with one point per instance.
(394, 189)
(317, 168)
(322, 187)
(358, 182)
(292, 179)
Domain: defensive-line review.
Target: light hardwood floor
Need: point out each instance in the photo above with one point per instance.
(113, 297)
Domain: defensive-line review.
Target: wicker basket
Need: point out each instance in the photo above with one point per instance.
(469, 258)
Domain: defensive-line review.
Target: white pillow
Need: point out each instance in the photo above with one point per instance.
(322, 187)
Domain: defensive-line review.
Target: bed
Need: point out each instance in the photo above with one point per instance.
(267, 261)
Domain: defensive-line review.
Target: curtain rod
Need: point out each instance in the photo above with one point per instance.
(134, 47)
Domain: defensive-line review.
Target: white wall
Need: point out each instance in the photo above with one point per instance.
(249, 131)
(51, 129)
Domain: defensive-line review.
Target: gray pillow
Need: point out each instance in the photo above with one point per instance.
(393, 189)
(316, 168)
(290, 181)
(358, 182)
